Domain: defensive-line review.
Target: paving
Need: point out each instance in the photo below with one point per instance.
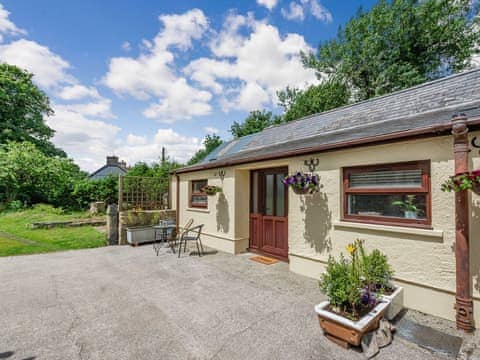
(124, 302)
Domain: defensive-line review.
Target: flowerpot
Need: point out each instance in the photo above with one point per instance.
(140, 234)
(300, 191)
(410, 215)
(395, 300)
(476, 188)
(346, 332)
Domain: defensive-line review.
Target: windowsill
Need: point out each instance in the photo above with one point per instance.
(388, 228)
(201, 210)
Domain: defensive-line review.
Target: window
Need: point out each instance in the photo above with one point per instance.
(392, 194)
(198, 198)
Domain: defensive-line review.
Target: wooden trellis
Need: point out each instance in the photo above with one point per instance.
(141, 193)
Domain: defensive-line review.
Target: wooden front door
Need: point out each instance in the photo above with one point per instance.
(268, 213)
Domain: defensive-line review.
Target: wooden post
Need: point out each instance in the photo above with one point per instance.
(120, 193)
(464, 304)
(112, 224)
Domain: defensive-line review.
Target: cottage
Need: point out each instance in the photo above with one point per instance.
(113, 167)
(369, 155)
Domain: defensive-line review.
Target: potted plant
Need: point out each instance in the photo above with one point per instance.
(211, 189)
(359, 292)
(303, 183)
(377, 278)
(408, 206)
(463, 181)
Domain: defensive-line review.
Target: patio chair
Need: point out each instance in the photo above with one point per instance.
(192, 234)
(174, 236)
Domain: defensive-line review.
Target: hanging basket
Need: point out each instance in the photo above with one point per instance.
(476, 188)
(300, 191)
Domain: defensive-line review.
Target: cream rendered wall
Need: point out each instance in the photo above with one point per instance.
(219, 218)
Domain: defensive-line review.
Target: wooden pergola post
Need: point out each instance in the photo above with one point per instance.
(464, 303)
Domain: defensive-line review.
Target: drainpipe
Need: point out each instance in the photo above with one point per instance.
(177, 201)
(464, 303)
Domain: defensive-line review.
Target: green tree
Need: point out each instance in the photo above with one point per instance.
(87, 191)
(30, 176)
(210, 143)
(398, 44)
(23, 107)
(314, 99)
(255, 122)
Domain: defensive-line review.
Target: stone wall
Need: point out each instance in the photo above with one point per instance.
(132, 218)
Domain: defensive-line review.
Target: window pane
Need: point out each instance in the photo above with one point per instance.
(387, 179)
(255, 193)
(269, 194)
(280, 204)
(197, 185)
(399, 206)
(199, 200)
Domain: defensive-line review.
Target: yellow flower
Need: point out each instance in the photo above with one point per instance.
(351, 248)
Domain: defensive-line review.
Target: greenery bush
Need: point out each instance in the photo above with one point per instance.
(353, 283)
(86, 191)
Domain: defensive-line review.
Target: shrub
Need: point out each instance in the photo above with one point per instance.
(86, 191)
(377, 272)
(341, 284)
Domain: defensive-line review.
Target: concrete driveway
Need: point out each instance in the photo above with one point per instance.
(126, 303)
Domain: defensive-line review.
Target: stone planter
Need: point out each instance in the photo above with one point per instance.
(395, 301)
(140, 234)
(346, 332)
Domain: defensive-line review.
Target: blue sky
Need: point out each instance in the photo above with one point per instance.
(128, 77)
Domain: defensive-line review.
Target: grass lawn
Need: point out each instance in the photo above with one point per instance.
(16, 238)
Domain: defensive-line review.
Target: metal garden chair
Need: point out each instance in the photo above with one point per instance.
(191, 234)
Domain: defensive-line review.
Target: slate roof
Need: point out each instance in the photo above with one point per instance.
(426, 105)
(107, 170)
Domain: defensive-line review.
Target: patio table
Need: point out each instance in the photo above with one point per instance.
(160, 235)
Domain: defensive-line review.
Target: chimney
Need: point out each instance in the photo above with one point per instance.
(112, 160)
(123, 164)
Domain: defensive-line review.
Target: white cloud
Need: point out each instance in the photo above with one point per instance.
(211, 130)
(179, 147)
(100, 108)
(88, 141)
(269, 4)
(320, 12)
(49, 69)
(77, 92)
(126, 46)
(294, 12)
(298, 11)
(249, 67)
(7, 27)
(136, 139)
(153, 73)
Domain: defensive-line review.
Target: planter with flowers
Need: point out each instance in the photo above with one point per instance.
(302, 183)
(354, 288)
(464, 181)
(211, 190)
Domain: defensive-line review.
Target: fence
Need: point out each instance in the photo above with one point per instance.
(142, 193)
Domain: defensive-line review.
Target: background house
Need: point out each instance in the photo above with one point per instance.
(113, 167)
(369, 155)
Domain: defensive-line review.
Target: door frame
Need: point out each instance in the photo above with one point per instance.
(261, 214)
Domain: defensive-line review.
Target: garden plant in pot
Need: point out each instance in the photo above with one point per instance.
(408, 206)
(354, 287)
(211, 189)
(303, 183)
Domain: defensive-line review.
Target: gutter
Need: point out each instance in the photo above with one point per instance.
(430, 131)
